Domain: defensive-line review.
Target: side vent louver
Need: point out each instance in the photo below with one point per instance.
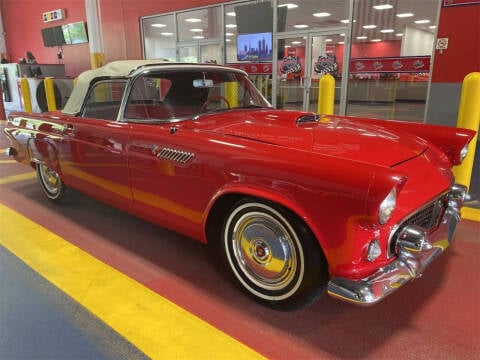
(307, 119)
(175, 155)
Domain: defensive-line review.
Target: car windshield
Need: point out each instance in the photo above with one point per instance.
(185, 94)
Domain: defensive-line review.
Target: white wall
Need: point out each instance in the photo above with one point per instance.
(416, 42)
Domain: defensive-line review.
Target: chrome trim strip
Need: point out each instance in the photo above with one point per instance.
(417, 249)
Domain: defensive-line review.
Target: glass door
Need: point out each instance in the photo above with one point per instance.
(203, 52)
(301, 61)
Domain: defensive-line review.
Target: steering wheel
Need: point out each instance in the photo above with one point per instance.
(212, 98)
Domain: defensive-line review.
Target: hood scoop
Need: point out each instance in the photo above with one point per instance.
(304, 119)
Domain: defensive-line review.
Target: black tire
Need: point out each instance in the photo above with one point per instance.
(51, 183)
(273, 255)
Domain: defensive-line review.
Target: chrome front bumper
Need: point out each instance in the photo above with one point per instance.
(416, 250)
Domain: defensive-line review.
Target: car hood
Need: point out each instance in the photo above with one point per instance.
(328, 135)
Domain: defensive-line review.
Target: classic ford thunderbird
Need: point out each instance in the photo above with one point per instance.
(295, 203)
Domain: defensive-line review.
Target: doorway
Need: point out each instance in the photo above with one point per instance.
(301, 61)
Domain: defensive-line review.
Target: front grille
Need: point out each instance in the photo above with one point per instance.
(428, 217)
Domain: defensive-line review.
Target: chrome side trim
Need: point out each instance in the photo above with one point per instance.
(416, 250)
(175, 155)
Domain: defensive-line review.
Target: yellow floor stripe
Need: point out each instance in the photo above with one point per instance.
(471, 213)
(19, 177)
(156, 326)
(7, 161)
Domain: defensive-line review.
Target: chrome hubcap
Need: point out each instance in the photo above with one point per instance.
(50, 179)
(264, 250)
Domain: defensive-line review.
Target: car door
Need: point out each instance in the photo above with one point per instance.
(165, 159)
(96, 162)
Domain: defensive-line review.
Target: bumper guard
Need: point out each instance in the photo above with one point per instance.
(416, 250)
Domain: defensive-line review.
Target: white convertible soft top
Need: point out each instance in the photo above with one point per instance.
(114, 69)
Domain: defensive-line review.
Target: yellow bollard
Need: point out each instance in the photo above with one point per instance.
(50, 94)
(469, 117)
(231, 93)
(326, 94)
(27, 100)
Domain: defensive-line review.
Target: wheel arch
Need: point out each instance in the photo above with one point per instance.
(42, 151)
(224, 201)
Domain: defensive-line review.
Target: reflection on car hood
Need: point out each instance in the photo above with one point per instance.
(329, 135)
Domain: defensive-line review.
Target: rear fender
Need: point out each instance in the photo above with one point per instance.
(41, 151)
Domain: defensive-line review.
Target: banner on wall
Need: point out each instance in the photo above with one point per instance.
(254, 68)
(402, 64)
(447, 3)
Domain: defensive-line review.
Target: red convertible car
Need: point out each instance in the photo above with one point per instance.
(297, 204)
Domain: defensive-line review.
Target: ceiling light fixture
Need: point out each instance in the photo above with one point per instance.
(198, 37)
(193, 20)
(432, 27)
(386, 31)
(230, 26)
(300, 26)
(229, 34)
(231, 13)
(399, 34)
(195, 30)
(404, 15)
(158, 25)
(362, 37)
(296, 42)
(166, 33)
(322, 14)
(376, 40)
(424, 21)
(346, 21)
(289, 6)
(369, 26)
(383, 7)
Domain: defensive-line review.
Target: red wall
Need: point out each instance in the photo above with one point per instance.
(22, 22)
(461, 25)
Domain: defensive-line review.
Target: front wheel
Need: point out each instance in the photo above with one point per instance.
(51, 183)
(273, 255)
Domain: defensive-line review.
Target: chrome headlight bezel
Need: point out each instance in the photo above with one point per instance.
(387, 206)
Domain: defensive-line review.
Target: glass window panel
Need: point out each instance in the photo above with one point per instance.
(311, 14)
(200, 24)
(159, 37)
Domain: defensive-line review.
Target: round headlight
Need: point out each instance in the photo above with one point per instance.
(387, 206)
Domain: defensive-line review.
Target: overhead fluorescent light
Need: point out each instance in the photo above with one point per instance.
(229, 34)
(341, 42)
(346, 21)
(195, 30)
(432, 27)
(404, 15)
(166, 33)
(362, 37)
(198, 37)
(230, 26)
(423, 21)
(193, 20)
(386, 31)
(231, 13)
(322, 14)
(300, 26)
(369, 26)
(399, 34)
(158, 25)
(296, 42)
(383, 7)
(328, 40)
(376, 40)
(289, 6)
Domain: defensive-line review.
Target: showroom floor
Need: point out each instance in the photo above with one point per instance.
(86, 281)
